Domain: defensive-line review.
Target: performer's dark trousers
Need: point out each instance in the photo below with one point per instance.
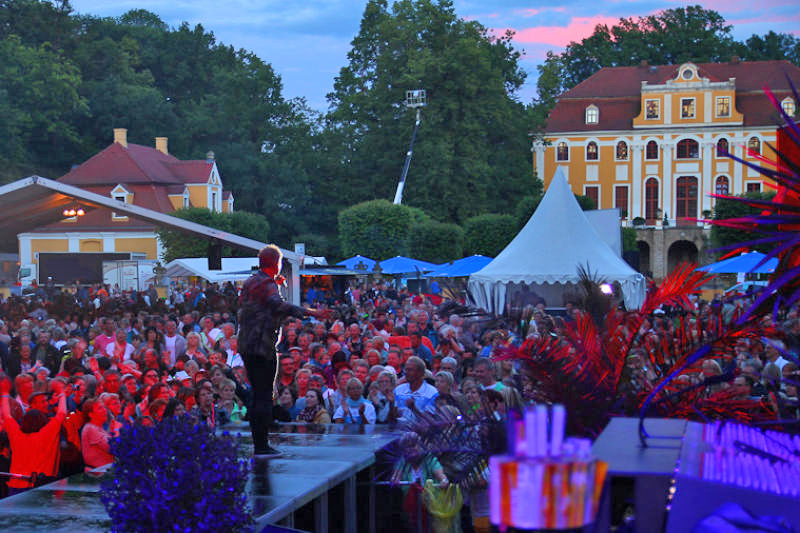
(261, 369)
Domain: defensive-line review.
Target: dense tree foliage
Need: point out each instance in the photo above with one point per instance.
(377, 229)
(724, 209)
(178, 244)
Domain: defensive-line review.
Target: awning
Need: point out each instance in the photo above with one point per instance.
(745, 263)
(405, 265)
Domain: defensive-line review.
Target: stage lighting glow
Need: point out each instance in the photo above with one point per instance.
(606, 288)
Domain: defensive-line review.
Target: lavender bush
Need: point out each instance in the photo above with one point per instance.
(176, 476)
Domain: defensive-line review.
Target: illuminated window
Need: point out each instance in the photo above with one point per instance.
(754, 145)
(562, 152)
(723, 106)
(788, 105)
(592, 153)
(652, 109)
(592, 114)
(722, 185)
(687, 108)
(622, 151)
(688, 149)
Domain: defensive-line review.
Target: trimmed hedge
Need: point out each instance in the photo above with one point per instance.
(489, 234)
(377, 229)
(436, 242)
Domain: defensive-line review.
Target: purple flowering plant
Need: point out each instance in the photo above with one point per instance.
(176, 476)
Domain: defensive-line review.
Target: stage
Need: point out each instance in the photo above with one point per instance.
(317, 459)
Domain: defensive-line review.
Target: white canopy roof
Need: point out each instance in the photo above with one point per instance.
(557, 240)
(233, 268)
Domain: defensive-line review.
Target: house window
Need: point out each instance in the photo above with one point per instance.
(723, 106)
(593, 192)
(686, 197)
(592, 153)
(214, 201)
(722, 147)
(562, 152)
(186, 201)
(651, 151)
(621, 200)
(622, 151)
(120, 197)
(592, 114)
(651, 199)
(788, 105)
(722, 185)
(754, 186)
(754, 145)
(687, 108)
(688, 149)
(652, 109)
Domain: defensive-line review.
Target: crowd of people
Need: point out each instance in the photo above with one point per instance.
(78, 366)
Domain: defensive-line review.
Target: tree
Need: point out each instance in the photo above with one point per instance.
(40, 104)
(472, 152)
(725, 209)
(488, 234)
(177, 244)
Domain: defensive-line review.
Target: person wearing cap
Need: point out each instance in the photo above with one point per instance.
(262, 309)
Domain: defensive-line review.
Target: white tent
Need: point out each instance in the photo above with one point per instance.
(233, 268)
(556, 241)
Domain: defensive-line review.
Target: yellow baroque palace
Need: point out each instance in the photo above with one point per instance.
(651, 141)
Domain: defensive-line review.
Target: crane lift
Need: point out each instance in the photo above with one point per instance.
(414, 100)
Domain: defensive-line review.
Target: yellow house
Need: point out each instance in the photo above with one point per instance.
(134, 174)
(651, 140)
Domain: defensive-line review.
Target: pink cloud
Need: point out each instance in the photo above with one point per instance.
(577, 29)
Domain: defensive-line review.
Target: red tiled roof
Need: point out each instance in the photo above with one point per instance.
(136, 164)
(195, 171)
(616, 91)
(226, 195)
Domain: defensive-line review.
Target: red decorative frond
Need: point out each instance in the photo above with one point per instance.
(676, 288)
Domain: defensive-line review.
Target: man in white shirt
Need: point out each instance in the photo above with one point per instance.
(174, 343)
(416, 395)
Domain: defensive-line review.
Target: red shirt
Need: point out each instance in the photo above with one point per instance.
(94, 446)
(34, 452)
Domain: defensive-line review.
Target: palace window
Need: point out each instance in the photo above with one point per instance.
(723, 109)
(651, 199)
(562, 152)
(592, 114)
(722, 185)
(686, 197)
(754, 145)
(622, 151)
(592, 152)
(688, 149)
(593, 192)
(687, 108)
(754, 186)
(722, 147)
(621, 200)
(652, 109)
(651, 151)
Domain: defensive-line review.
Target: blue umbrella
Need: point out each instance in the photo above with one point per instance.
(460, 267)
(359, 263)
(742, 263)
(405, 265)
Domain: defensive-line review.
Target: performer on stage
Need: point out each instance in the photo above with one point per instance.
(260, 315)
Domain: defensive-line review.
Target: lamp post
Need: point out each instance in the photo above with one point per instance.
(414, 100)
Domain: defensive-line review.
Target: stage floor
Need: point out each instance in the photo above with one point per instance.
(316, 459)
